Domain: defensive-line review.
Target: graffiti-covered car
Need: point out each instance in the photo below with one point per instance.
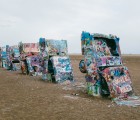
(56, 62)
(3, 56)
(30, 60)
(15, 58)
(12, 58)
(105, 73)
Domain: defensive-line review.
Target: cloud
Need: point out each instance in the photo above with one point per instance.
(8, 21)
(27, 20)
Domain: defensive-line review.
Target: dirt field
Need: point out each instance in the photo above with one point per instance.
(29, 98)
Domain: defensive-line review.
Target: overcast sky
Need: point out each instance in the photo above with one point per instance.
(28, 20)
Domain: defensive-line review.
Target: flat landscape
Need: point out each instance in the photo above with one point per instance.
(24, 97)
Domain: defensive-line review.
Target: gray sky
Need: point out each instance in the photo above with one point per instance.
(28, 20)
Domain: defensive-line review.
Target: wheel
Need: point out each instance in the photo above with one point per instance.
(82, 67)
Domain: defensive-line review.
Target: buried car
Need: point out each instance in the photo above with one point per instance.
(15, 58)
(12, 58)
(3, 57)
(30, 60)
(105, 73)
(56, 62)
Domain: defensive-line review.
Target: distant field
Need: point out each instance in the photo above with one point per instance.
(125, 57)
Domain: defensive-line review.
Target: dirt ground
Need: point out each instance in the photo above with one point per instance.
(25, 97)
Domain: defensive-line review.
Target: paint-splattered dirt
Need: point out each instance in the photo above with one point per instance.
(29, 98)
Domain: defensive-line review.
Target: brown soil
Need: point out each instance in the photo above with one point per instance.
(25, 97)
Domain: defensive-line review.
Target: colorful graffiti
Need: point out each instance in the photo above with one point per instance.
(3, 56)
(62, 68)
(105, 74)
(118, 80)
(56, 63)
(56, 47)
(30, 58)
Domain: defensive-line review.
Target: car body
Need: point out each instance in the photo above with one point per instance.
(105, 73)
(30, 60)
(56, 62)
(3, 56)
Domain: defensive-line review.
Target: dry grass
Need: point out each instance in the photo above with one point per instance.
(29, 98)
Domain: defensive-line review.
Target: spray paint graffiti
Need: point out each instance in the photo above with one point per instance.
(105, 73)
(30, 58)
(56, 63)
